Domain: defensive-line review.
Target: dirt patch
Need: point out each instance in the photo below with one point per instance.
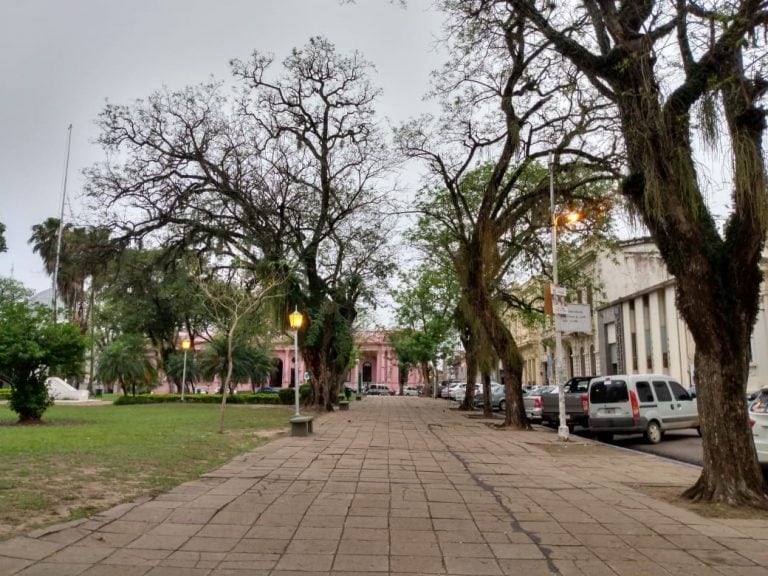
(672, 495)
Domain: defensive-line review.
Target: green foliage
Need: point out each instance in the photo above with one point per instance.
(249, 363)
(425, 303)
(257, 398)
(287, 395)
(3, 245)
(33, 348)
(174, 367)
(154, 293)
(5, 393)
(125, 362)
(85, 252)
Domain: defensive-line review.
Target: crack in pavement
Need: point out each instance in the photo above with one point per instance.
(547, 552)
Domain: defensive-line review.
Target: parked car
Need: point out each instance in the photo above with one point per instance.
(456, 389)
(758, 420)
(450, 390)
(576, 413)
(461, 392)
(532, 401)
(445, 385)
(498, 397)
(269, 390)
(649, 404)
(378, 390)
(410, 391)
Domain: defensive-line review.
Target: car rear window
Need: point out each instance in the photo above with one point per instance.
(608, 392)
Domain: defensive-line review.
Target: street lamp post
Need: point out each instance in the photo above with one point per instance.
(296, 319)
(185, 345)
(562, 431)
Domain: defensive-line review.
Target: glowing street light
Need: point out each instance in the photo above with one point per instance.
(570, 218)
(185, 345)
(296, 319)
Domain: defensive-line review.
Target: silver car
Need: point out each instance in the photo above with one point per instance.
(498, 397)
(533, 403)
(758, 420)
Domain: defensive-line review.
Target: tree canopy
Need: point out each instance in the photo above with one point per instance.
(32, 348)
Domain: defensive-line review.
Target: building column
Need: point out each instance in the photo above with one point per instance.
(642, 365)
(653, 303)
(627, 326)
(677, 368)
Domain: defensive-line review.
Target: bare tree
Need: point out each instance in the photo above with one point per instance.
(287, 175)
(654, 65)
(501, 116)
(231, 303)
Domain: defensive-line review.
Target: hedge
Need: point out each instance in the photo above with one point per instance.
(248, 398)
(288, 396)
(5, 393)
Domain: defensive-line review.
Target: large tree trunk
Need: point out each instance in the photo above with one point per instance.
(718, 279)
(730, 473)
(487, 404)
(479, 259)
(328, 356)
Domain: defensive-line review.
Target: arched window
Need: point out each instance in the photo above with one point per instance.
(593, 360)
(367, 373)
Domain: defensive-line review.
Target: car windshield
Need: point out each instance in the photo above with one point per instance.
(760, 405)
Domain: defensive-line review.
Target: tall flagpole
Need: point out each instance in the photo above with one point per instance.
(60, 231)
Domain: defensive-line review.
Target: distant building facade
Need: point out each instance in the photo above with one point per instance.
(377, 364)
(636, 327)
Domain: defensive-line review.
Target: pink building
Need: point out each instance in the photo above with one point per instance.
(377, 365)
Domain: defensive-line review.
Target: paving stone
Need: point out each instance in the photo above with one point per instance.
(406, 488)
(303, 562)
(473, 566)
(112, 570)
(361, 563)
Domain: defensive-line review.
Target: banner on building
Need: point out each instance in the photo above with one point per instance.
(577, 318)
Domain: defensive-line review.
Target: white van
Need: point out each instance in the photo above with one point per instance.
(649, 404)
(378, 390)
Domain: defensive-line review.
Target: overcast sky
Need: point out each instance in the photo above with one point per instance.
(60, 60)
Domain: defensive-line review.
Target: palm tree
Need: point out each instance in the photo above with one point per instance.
(85, 252)
(248, 362)
(126, 363)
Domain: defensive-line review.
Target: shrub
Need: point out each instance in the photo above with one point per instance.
(30, 398)
(198, 399)
(286, 395)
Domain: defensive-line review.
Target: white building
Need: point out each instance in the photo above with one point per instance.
(636, 325)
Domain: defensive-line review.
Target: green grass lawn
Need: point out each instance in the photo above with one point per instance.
(87, 458)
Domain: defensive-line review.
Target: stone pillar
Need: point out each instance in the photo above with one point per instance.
(658, 365)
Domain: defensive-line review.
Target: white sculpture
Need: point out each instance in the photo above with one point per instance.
(60, 390)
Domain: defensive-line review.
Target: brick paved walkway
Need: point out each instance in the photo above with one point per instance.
(406, 486)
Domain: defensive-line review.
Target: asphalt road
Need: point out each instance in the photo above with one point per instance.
(680, 445)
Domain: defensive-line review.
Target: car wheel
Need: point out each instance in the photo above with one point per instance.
(502, 405)
(653, 433)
